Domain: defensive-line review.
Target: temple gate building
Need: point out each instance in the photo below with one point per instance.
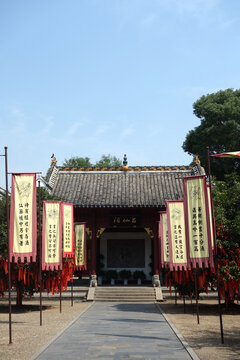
(120, 207)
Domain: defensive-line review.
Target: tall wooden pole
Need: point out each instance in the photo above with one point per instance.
(72, 291)
(9, 263)
(60, 291)
(183, 294)
(215, 248)
(40, 249)
(196, 294)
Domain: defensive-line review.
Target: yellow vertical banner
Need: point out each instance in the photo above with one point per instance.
(23, 218)
(163, 234)
(68, 231)
(177, 235)
(52, 236)
(198, 220)
(80, 246)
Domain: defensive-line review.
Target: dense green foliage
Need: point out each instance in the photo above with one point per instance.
(219, 129)
(77, 162)
(105, 161)
(226, 197)
(109, 161)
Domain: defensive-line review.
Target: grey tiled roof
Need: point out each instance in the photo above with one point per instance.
(118, 188)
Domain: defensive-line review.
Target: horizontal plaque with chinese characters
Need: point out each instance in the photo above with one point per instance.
(125, 220)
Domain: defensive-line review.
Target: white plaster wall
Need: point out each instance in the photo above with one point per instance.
(129, 236)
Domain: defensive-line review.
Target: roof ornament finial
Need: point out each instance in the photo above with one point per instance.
(54, 161)
(125, 167)
(196, 160)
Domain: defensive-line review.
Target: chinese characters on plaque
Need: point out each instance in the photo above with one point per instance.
(52, 236)
(67, 213)
(198, 221)
(163, 230)
(80, 249)
(23, 217)
(189, 226)
(125, 220)
(177, 234)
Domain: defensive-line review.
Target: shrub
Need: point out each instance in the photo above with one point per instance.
(139, 274)
(125, 274)
(111, 274)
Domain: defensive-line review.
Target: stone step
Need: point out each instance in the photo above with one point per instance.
(133, 290)
(126, 300)
(125, 294)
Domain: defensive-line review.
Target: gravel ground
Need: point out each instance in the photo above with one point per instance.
(28, 337)
(27, 334)
(205, 338)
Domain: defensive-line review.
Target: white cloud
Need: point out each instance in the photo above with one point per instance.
(49, 123)
(73, 128)
(150, 19)
(127, 131)
(193, 6)
(19, 122)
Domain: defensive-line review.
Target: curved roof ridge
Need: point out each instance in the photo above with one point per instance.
(130, 168)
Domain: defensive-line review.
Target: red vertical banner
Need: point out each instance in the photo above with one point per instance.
(163, 235)
(80, 246)
(177, 235)
(68, 230)
(23, 218)
(198, 221)
(52, 236)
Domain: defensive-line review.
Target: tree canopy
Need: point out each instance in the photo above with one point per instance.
(108, 161)
(226, 196)
(105, 161)
(76, 161)
(219, 129)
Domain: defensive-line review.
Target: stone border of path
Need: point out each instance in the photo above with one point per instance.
(43, 348)
(178, 334)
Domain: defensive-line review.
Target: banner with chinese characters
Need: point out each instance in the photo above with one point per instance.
(68, 231)
(163, 234)
(177, 235)
(211, 215)
(80, 246)
(52, 236)
(198, 221)
(23, 218)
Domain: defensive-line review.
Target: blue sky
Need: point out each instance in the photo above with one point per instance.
(93, 77)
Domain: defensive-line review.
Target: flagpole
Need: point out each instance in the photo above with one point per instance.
(40, 249)
(60, 291)
(196, 294)
(72, 291)
(9, 263)
(215, 247)
(183, 289)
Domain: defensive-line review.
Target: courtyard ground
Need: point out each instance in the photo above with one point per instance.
(28, 337)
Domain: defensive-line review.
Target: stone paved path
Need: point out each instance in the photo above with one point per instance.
(118, 331)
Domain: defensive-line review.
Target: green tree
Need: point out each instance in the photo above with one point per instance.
(226, 197)
(219, 129)
(109, 161)
(78, 162)
(105, 161)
